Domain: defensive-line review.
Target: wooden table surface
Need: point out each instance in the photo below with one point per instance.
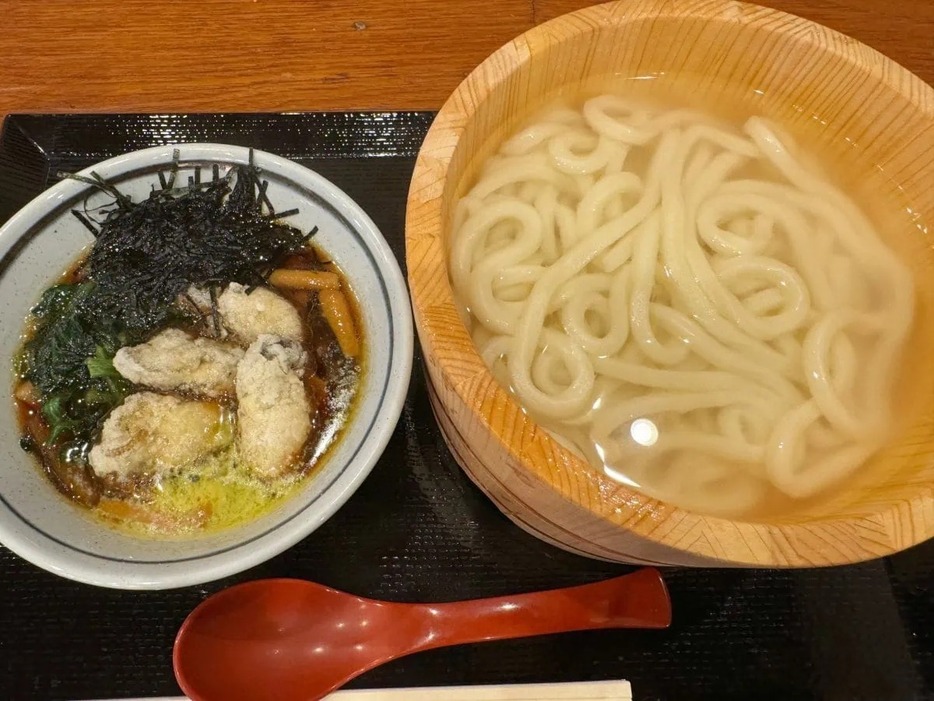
(284, 55)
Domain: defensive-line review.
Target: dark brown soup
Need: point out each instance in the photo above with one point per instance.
(178, 379)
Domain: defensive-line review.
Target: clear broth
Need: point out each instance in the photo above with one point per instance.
(880, 198)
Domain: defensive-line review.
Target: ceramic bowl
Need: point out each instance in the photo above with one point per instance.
(852, 103)
(43, 239)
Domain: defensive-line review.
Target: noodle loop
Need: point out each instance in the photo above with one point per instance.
(693, 308)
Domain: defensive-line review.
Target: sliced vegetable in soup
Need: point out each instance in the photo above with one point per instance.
(195, 365)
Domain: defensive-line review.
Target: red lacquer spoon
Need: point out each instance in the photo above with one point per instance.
(292, 640)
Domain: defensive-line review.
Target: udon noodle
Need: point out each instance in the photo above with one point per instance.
(693, 307)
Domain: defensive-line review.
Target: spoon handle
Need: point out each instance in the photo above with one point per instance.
(637, 600)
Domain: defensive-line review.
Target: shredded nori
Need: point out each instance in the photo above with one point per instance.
(207, 234)
(146, 256)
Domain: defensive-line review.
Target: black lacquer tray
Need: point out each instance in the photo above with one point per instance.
(418, 529)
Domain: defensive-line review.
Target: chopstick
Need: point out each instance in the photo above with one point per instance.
(565, 691)
(561, 691)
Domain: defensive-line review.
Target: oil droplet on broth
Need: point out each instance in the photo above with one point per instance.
(211, 496)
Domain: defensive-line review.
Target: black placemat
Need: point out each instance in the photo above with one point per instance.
(418, 530)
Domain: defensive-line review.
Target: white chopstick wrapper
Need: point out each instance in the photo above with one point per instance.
(564, 691)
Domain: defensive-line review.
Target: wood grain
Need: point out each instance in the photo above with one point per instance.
(247, 55)
(282, 55)
(903, 31)
(853, 96)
